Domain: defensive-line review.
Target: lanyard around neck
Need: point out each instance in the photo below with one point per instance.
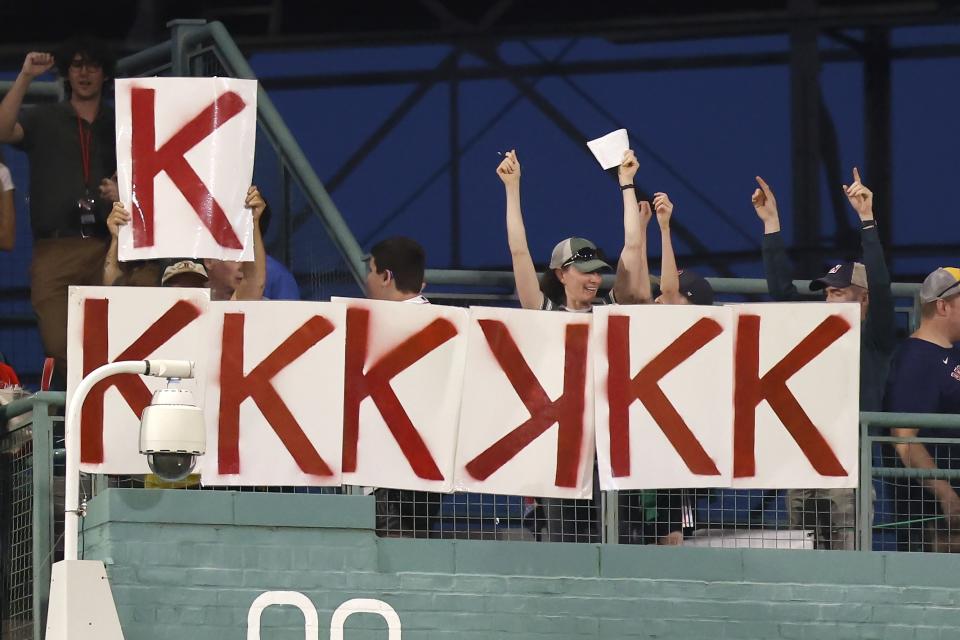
(85, 136)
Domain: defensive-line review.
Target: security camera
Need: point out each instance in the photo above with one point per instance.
(172, 434)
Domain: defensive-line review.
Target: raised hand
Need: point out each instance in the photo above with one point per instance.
(663, 207)
(37, 63)
(509, 169)
(765, 204)
(256, 202)
(109, 190)
(645, 212)
(860, 197)
(117, 218)
(628, 168)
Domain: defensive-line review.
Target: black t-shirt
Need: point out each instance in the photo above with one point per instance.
(51, 140)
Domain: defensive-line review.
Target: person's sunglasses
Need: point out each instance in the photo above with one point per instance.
(583, 255)
(940, 295)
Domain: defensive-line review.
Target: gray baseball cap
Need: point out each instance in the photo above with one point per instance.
(579, 252)
(941, 284)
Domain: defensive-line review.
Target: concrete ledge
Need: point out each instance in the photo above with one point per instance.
(177, 506)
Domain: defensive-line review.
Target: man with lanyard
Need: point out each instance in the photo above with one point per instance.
(72, 152)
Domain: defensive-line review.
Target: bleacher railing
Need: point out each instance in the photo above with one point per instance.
(27, 511)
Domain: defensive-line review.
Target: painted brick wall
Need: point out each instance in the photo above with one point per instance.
(187, 565)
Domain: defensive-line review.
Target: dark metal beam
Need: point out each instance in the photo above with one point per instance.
(427, 82)
(836, 176)
(454, 145)
(805, 130)
(625, 25)
(597, 67)
(528, 91)
(467, 145)
(640, 145)
(877, 126)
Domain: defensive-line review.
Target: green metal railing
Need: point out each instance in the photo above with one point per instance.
(876, 420)
(28, 529)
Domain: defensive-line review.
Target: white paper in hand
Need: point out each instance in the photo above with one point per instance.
(608, 150)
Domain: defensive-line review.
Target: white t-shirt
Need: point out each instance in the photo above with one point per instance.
(6, 180)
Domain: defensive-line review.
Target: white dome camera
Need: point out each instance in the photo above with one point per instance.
(172, 434)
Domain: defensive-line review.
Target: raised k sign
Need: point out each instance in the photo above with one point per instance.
(796, 395)
(427, 397)
(403, 379)
(106, 324)
(664, 380)
(185, 150)
(526, 422)
(275, 394)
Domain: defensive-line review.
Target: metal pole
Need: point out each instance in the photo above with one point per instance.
(805, 130)
(877, 127)
(180, 32)
(455, 257)
(297, 162)
(71, 508)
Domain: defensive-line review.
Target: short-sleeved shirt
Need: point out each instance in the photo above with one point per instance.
(51, 141)
(6, 180)
(925, 378)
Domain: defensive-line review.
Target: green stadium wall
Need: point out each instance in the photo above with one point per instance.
(188, 565)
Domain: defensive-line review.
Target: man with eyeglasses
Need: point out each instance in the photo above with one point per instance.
(71, 147)
(925, 378)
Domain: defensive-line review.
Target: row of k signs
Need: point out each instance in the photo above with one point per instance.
(488, 400)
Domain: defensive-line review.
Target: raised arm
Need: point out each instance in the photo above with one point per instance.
(632, 284)
(881, 324)
(669, 275)
(524, 273)
(255, 272)
(776, 265)
(111, 264)
(8, 211)
(34, 65)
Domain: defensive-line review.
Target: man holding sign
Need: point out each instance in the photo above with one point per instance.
(71, 150)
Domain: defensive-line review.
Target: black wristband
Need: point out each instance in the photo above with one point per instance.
(624, 187)
(867, 224)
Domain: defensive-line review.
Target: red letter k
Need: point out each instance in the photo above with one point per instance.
(148, 161)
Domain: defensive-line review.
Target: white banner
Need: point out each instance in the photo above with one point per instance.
(664, 380)
(274, 408)
(185, 150)
(404, 377)
(526, 421)
(424, 397)
(129, 323)
(796, 395)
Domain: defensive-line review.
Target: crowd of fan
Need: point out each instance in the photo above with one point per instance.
(75, 218)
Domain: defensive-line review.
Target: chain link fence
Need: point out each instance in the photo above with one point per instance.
(27, 507)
